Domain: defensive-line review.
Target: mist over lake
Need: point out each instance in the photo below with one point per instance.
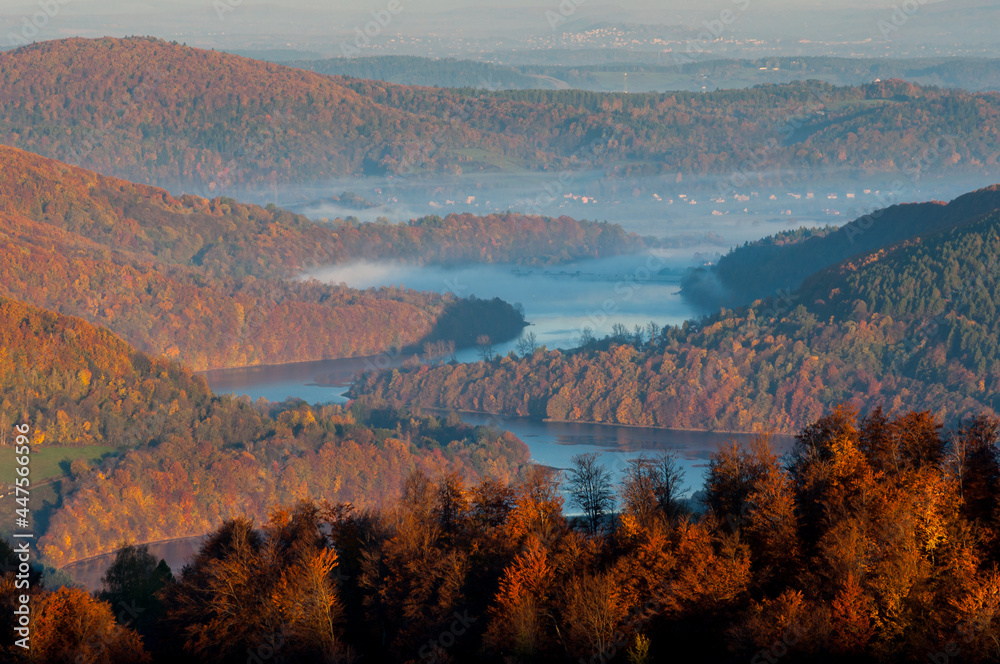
(559, 301)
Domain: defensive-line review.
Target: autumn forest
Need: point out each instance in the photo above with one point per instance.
(853, 368)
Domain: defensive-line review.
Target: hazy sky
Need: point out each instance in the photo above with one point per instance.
(626, 7)
(319, 25)
(133, 6)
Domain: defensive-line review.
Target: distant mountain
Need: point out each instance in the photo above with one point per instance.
(412, 70)
(168, 114)
(664, 73)
(911, 325)
(658, 74)
(210, 122)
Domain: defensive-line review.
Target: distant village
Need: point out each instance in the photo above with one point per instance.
(789, 203)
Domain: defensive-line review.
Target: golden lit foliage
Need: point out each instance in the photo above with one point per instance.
(249, 589)
(69, 625)
(189, 458)
(836, 553)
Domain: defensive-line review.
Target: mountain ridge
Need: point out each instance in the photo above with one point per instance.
(209, 122)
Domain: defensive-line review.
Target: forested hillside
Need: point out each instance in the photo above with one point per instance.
(229, 238)
(215, 283)
(874, 541)
(912, 326)
(205, 321)
(203, 121)
(190, 459)
(77, 384)
(783, 261)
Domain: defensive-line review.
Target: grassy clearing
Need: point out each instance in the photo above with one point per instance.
(51, 461)
(47, 463)
(489, 159)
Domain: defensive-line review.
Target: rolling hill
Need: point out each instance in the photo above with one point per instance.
(782, 262)
(211, 283)
(187, 458)
(208, 122)
(912, 325)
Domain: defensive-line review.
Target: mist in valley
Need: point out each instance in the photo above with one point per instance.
(559, 301)
(699, 214)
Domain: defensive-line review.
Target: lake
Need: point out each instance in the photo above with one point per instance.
(558, 302)
(176, 553)
(552, 444)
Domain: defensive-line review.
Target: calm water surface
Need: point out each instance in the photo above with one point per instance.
(176, 553)
(559, 302)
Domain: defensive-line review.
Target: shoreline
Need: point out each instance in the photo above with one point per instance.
(590, 423)
(109, 553)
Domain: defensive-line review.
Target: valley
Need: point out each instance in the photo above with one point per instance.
(315, 360)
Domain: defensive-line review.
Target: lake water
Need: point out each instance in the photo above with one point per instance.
(298, 380)
(552, 444)
(559, 302)
(176, 553)
(555, 444)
